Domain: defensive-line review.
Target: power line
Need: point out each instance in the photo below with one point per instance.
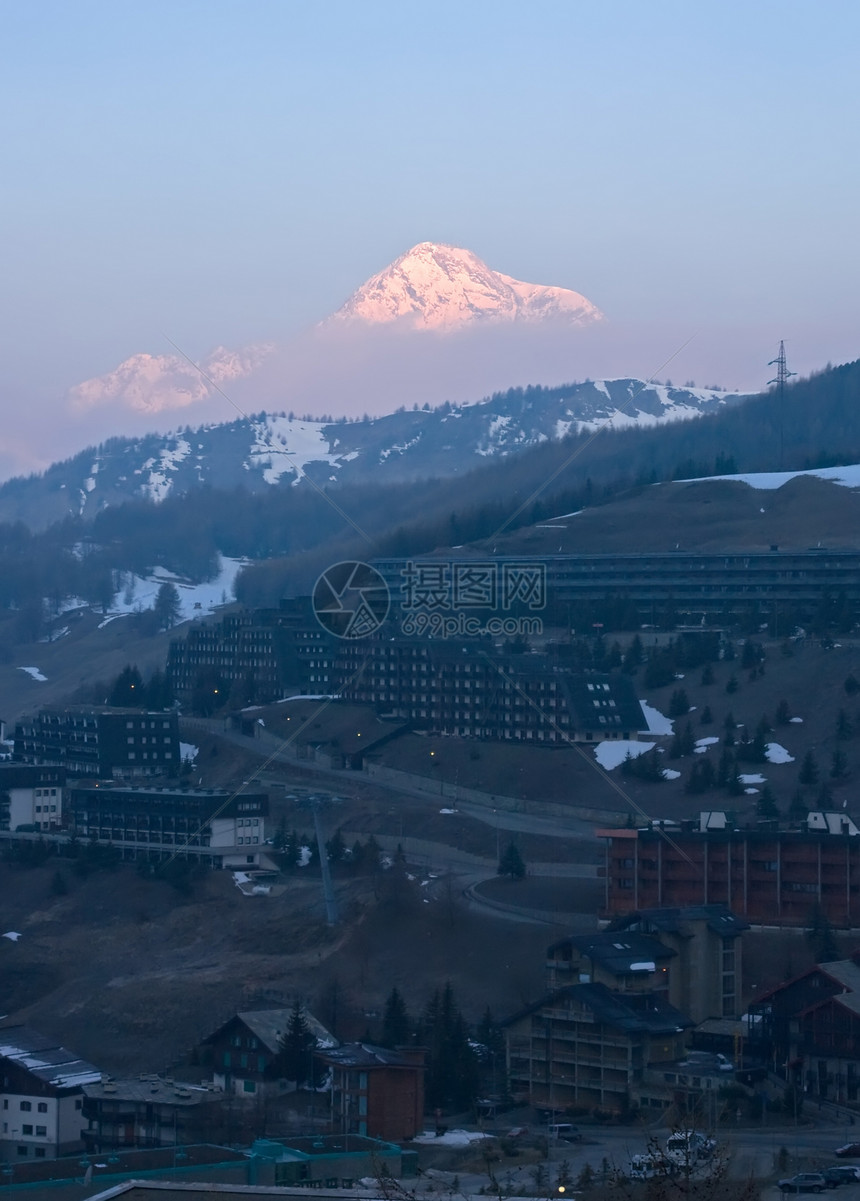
(782, 375)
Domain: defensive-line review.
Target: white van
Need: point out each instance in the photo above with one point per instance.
(564, 1130)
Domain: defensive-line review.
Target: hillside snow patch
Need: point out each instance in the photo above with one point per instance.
(778, 754)
(34, 674)
(610, 754)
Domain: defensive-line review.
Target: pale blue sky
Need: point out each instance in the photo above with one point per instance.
(230, 172)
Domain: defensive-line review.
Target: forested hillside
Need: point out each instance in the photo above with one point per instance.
(300, 531)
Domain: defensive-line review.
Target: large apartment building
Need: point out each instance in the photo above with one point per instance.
(695, 582)
(766, 875)
(100, 742)
(473, 690)
(217, 828)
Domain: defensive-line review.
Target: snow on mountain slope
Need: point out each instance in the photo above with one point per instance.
(848, 477)
(439, 287)
(276, 449)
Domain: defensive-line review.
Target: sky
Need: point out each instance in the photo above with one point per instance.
(223, 174)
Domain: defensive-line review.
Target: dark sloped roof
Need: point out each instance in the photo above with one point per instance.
(619, 953)
(270, 1024)
(719, 918)
(44, 1059)
(634, 1013)
(612, 697)
(361, 1055)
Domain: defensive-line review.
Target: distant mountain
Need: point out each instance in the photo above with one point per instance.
(439, 287)
(268, 450)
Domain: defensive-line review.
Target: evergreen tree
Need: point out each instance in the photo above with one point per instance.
(511, 863)
(706, 716)
(732, 685)
(727, 768)
(678, 703)
(822, 937)
(633, 656)
(707, 674)
(128, 690)
(168, 606)
(808, 770)
(396, 1025)
(292, 850)
(766, 807)
(783, 713)
(838, 764)
(295, 1059)
(701, 778)
(452, 1066)
(157, 692)
(844, 728)
(798, 810)
(336, 848)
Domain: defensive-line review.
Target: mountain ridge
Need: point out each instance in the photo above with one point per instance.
(277, 449)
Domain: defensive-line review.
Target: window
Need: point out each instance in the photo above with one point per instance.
(39, 1152)
(26, 1106)
(21, 1150)
(249, 1086)
(41, 1131)
(42, 1107)
(26, 1128)
(78, 1104)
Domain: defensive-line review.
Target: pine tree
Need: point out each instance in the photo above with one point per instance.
(128, 689)
(838, 764)
(765, 807)
(295, 1051)
(292, 850)
(168, 606)
(808, 770)
(798, 810)
(452, 1066)
(822, 937)
(706, 716)
(511, 863)
(396, 1024)
(678, 703)
(783, 713)
(844, 728)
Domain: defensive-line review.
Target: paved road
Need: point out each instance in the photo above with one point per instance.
(744, 1152)
(268, 747)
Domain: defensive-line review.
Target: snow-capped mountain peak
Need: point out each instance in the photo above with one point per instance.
(440, 287)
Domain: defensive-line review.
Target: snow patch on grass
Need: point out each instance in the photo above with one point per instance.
(610, 754)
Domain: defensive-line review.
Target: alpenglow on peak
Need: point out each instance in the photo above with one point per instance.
(434, 286)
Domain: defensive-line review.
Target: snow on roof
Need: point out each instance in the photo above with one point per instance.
(47, 1061)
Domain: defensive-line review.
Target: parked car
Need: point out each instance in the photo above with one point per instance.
(804, 1182)
(849, 1151)
(842, 1174)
